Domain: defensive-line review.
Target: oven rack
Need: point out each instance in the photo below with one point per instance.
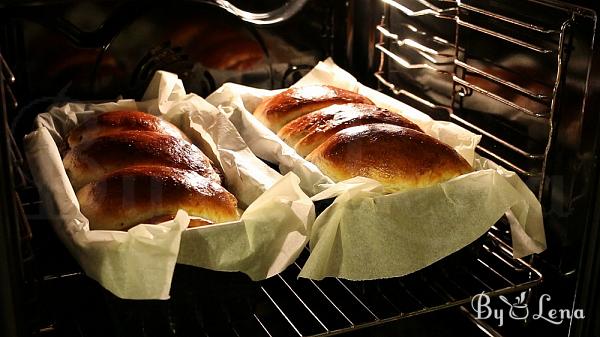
(446, 284)
(206, 303)
(404, 45)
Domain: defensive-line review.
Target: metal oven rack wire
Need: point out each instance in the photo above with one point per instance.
(440, 286)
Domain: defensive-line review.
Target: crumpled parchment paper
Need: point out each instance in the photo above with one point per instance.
(139, 263)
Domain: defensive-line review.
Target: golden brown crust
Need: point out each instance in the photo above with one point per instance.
(307, 132)
(398, 157)
(117, 121)
(92, 159)
(130, 196)
(280, 109)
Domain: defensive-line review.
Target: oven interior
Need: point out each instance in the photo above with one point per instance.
(521, 76)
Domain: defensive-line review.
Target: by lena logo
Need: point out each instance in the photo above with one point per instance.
(519, 310)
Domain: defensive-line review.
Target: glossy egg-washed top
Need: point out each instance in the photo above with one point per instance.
(92, 159)
(133, 195)
(398, 157)
(307, 132)
(117, 121)
(280, 109)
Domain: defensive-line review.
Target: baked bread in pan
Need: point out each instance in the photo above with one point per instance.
(276, 111)
(116, 121)
(130, 196)
(307, 132)
(398, 157)
(92, 159)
